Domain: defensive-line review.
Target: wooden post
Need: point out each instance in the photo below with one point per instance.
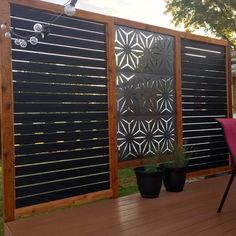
(178, 89)
(7, 120)
(112, 108)
(229, 80)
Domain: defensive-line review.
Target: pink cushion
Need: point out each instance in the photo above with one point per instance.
(229, 127)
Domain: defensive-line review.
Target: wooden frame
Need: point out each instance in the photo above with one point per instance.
(7, 111)
(7, 120)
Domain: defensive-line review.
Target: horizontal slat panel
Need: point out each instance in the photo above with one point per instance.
(209, 55)
(54, 137)
(185, 57)
(203, 139)
(63, 117)
(208, 159)
(45, 57)
(59, 88)
(200, 45)
(199, 66)
(49, 147)
(41, 178)
(56, 167)
(208, 106)
(60, 97)
(197, 133)
(55, 107)
(57, 127)
(207, 99)
(208, 165)
(191, 120)
(210, 145)
(189, 71)
(199, 126)
(203, 79)
(46, 197)
(205, 113)
(17, 10)
(63, 184)
(208, 86)
(198, 92)
(58, 69)
(74, 155)
(23, 25)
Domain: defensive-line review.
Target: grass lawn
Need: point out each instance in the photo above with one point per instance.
(127, 182)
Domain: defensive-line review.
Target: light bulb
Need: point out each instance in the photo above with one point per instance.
(3, 26)
(17, 41)
(8, 35)
(69, 10)
(23, 43)
(38, 28)
(33, 40)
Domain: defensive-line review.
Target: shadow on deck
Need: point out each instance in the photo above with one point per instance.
(192, 212)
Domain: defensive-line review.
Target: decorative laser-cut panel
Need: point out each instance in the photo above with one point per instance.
(145, 92)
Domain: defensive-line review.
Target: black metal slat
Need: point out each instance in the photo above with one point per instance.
(56, 127)
(66, 165)
(57, 78)
(59, 88)
(203, 139)
(57, 69)
(203, 79)
(31, 200)
(207, 86)
(76, 155)
(50, 147)
(200, 126)
(63, 117)
(45, 57)
(201, 45)
(198, 113)
(198, 92)
(213, 159)
(20, 97)
(198, 72)
(199, 66)
(40, 178)
(57, 107)
(41, 188)
(208, 106)
(37, 16)
(204, 166)
(54, 137)
(197, 133)
(207, 99)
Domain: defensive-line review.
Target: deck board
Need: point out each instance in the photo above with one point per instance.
(191, 212)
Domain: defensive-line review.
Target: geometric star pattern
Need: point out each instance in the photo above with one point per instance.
(145, 92)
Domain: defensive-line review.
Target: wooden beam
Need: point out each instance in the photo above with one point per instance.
(178, 91)
(111, 75)
(229, 80)
(7, 117)
(52, 205)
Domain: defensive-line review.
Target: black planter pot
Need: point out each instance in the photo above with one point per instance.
(174, 178)
(149, 183)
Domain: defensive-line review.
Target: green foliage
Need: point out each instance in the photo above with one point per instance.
(179, 156)
(153, 161)
(218, 16)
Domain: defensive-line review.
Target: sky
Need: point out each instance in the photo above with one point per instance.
(145, 11)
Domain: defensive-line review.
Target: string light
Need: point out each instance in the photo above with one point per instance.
(40, 30)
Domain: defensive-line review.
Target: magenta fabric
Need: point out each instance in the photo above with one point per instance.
(229, 127)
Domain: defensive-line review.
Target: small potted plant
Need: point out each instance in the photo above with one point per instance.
(149, 177)
(175, 169)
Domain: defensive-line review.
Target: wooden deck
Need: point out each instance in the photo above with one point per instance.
(192, 212)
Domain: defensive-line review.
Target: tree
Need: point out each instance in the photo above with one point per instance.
(218, 16)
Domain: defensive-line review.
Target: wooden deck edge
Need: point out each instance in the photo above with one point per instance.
(53, 205)
(207, 172)
(7, 231)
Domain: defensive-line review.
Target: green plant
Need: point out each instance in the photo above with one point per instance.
(155, 160)
(179, 156)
